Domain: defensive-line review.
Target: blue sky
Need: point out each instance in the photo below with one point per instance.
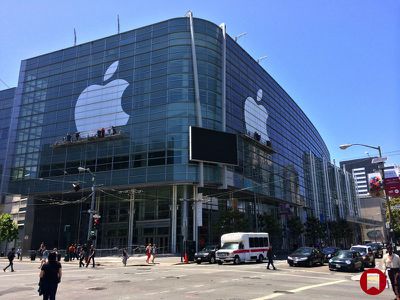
(339, 60)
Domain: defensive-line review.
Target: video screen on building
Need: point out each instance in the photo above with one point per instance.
(212, 146)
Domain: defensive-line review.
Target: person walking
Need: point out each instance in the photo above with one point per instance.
(153, 253)
(19, 254)
(124, 256)
(45, 256)
(41, 249)
(148, 252)
(391, 264)
(10, 256)
(270, 256)
(91, 256)
(82, 255)
(50, 277)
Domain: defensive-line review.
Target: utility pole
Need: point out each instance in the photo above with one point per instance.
(381, 165)
(92, 203)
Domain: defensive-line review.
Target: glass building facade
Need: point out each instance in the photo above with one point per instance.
(6, 107)
(121, 107)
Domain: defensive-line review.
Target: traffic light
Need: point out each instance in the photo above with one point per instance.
(96, 223)
(92, 236)
(76, 187)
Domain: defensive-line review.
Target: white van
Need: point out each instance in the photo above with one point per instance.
(240, 247)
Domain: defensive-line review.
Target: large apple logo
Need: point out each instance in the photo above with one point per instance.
(255, 116)
(99, 106)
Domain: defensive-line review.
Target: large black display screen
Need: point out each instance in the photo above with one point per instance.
(212, 146)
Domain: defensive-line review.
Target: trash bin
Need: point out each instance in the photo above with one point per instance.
(66, 257)
(33, 255)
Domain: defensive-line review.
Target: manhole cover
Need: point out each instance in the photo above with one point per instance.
(121, 281)
(284, 292)
(144, 269)
(173, 277)
(98, 288)
(251, 277)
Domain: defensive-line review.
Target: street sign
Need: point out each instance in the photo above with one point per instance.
(378, 160)
(387, 225)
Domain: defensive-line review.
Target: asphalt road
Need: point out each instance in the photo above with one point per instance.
(168, 279)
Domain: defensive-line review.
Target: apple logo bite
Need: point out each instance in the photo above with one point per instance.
(99, 106)
(255, 116)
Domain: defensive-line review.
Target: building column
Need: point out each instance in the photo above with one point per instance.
(223, 99)
(339, 194)
(328, 202)
(195, 222)
(174, 210)
(199, 120)
(131, 218)
(314, 186)
(348, 192)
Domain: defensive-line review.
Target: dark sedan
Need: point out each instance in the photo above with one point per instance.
(330, 252)
(306, 256)
(207, 254)
(346, 260)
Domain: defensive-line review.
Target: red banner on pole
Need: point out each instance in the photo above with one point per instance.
(392, 186)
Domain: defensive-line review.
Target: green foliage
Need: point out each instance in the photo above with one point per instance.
(272, 225)
(8, 229)
(232, 221)
(341, 231)
(314, 230)
(295, 226)
(395, 216)
(295, 229)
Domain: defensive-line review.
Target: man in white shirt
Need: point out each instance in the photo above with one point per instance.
(391, 263)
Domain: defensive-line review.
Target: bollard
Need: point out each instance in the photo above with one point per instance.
(186, 260)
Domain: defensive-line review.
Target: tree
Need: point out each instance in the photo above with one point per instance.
(272, 225)
(341, 232)
(314, 230)
(395, 216)
(8, 229)
(296, 228)
(232, 221)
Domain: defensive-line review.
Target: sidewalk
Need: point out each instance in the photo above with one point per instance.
(137, 260)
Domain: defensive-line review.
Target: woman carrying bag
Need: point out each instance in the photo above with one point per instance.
(50, 277)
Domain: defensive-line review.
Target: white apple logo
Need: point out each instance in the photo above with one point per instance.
(100, 106)
(255, 116)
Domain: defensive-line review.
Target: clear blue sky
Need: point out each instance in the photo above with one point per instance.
(339, 60)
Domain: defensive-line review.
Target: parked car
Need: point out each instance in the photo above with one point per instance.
(330, 252)
(346, 260)
(307, 256)
(207, 254)
(366, 253)
(377, 248)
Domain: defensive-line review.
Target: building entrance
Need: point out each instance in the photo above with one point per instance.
(154, 232)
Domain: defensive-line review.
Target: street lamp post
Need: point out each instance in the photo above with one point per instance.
(92, 203)
(382, 162)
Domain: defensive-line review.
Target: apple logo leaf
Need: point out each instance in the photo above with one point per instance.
(111, 70)
(259, 94)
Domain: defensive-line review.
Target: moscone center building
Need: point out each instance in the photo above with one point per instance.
(166, 133)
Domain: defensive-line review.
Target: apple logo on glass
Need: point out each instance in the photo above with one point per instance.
(255, 116)
(99, 106)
